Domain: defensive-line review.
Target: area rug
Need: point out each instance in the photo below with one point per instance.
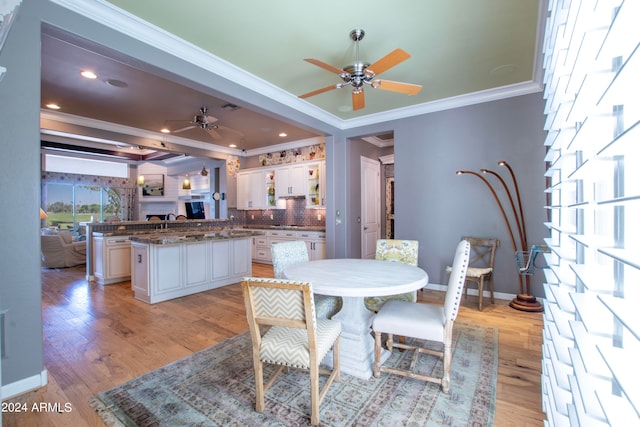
(215, 387)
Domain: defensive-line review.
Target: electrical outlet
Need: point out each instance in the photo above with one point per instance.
(253, 217)
(319, 217)
(271, 216)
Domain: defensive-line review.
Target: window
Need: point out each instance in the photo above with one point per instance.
(592, 325)
(67, 205)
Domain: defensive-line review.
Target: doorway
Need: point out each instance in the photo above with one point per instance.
(388, 207)
(369, 206)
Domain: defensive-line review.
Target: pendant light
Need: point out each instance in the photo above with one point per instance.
(204, 172)
(186, 184)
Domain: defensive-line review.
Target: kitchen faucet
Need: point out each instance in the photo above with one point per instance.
(166, 219)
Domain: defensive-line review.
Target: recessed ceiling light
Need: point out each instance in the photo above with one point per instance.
(88, 74)
(165, 130)
(282, 134)
(232, 145)
(53, 106)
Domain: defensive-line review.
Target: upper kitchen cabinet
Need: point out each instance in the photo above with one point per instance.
(260, 188)
(291, 180)
(256, 189)
(316, 188)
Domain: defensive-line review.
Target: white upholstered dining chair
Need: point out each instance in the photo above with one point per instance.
(295, 338)
(286, 254)
(423, 322)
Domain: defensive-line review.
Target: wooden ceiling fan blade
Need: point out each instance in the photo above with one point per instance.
(209, 120)
(237, 132)
(357, 99)
(406, 88)
(214, 133)
(183, 129)
(389, 60)
(318, 91)
(324, 65)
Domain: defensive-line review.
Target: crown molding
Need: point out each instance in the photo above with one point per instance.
(117, 19)
(125, 130)
(446, 104)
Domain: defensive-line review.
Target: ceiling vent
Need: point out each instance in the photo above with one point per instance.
(230, 107)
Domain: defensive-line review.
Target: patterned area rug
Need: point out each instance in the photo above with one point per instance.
(215, 387)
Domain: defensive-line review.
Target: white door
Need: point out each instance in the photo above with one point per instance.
(369, 206)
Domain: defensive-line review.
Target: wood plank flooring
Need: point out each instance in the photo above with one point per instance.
(96, 337)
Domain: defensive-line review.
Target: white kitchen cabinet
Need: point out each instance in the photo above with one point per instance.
(241, 257)
(261, 250)
(165, 271)
(140, 269)
(253, 189)
(316, 244)
(221, 255)
(197, 265)
(112, 259)
(315, 241)
(291, 180)
(166, 277)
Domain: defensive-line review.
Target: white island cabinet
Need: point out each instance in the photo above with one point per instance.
(167, 270)
(111, 257)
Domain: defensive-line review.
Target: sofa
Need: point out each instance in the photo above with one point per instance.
(59, 250)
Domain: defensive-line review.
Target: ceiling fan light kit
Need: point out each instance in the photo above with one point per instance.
(360, 73)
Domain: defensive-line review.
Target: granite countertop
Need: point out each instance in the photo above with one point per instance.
(285, 227)
(173, 236)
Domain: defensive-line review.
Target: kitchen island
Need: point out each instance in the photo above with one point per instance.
(166, 266)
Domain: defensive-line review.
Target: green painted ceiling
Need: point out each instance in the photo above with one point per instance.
(457, 47)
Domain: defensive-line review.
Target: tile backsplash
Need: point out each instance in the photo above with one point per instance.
(295, 213)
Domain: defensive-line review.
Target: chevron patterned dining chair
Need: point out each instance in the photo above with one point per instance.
(402, 251)
(423, 322)
(295, 338)
(286, 254)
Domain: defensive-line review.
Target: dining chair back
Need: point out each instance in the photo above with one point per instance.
(423, 322)
(392, 250)
(286, 254)
(481, 265)
(294, 337)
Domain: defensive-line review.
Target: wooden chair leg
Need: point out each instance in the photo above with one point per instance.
(491, 288)
(390, 342)
(480, 292)
(378, 350)
(336, 359)
(446, 377)
(315, 398)
(259, 380)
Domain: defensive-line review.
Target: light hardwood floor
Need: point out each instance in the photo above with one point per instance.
(96, 337)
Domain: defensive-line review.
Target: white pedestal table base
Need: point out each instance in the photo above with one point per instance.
(357, 346)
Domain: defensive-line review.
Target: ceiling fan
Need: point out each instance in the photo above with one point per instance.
(361, 73)
(205, 122)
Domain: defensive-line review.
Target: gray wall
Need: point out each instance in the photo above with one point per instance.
(437, 207)
(20, 292)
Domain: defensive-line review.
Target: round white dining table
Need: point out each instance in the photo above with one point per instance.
(353, 280)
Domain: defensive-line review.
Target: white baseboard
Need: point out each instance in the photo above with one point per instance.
(498, 295)
(24, 385)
